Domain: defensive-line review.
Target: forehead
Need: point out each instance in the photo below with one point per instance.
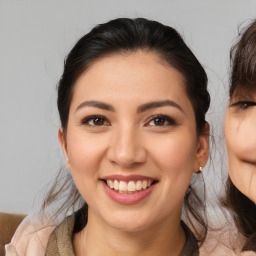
(129, 80)
(134, 71)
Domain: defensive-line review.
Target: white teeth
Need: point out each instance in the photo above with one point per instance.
(131, 186)
(144, 184)
(122, 186)
(116, 185)
(110, 183)
(138, 185)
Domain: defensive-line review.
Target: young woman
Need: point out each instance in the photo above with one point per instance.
(132, 102)
(240, 132)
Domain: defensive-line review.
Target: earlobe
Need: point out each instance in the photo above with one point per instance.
(63, 145)
(202, 149)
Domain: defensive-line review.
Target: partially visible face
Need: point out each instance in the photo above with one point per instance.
(131, 143)
(240, 133)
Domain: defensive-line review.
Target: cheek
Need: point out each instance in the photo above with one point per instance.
(175, 154)
(234, 146)
(175, 158)
(84, 155)
(241, 145)
(241, 139)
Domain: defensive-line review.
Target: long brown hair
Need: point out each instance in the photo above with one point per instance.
(129, 35)
(243, 82)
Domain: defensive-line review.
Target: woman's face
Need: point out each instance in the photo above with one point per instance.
(131, 143)
(240, 132)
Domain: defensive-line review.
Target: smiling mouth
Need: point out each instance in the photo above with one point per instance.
(129, 187)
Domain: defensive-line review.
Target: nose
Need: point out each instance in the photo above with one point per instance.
(127, 148)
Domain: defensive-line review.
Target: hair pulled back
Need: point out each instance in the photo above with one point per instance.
(242, 83)
(125, 35)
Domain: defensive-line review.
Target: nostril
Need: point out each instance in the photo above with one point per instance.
(126, 151)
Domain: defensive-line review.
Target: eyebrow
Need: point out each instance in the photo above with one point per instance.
(142, 108)
(96, 104)
(157, 104)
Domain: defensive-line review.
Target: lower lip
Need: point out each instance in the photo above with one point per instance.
(132, 198)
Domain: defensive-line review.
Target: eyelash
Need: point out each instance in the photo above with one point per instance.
(87, 120)
(164, 120)
(167, 120)
(243, 104)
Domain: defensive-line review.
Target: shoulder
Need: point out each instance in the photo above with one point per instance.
(217, 244)
(30, 238)
(60, 241)
(223, 243)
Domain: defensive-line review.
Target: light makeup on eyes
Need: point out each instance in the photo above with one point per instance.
(95, 120)
(161, 120)
(156, 120)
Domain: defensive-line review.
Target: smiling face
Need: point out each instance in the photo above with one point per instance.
(131, 143)
(240, 133)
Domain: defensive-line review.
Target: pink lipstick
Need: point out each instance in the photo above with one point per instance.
(128, 189)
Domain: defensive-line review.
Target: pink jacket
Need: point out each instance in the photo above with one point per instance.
(30, 238)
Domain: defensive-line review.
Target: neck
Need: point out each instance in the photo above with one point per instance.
(97, 238)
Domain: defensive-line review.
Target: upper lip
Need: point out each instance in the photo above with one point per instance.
(127, 178)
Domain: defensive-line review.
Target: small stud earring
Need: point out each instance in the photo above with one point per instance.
(199, 169)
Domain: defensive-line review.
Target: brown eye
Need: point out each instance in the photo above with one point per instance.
(98, 121)
(95, 121)
(243, 104)
(161, 120)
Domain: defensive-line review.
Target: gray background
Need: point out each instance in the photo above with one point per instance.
(35, 36)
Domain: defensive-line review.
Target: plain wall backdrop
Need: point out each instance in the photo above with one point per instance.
(35, 37)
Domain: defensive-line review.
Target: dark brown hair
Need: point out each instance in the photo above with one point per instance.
(242, 83)
(126, 36)
(243, 62)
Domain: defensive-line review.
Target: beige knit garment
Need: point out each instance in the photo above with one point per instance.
(59, 243)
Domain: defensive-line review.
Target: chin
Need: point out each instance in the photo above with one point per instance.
(130, 226)
(129, 223)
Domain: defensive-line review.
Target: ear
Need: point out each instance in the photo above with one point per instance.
(63, 144)
(202, 149)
